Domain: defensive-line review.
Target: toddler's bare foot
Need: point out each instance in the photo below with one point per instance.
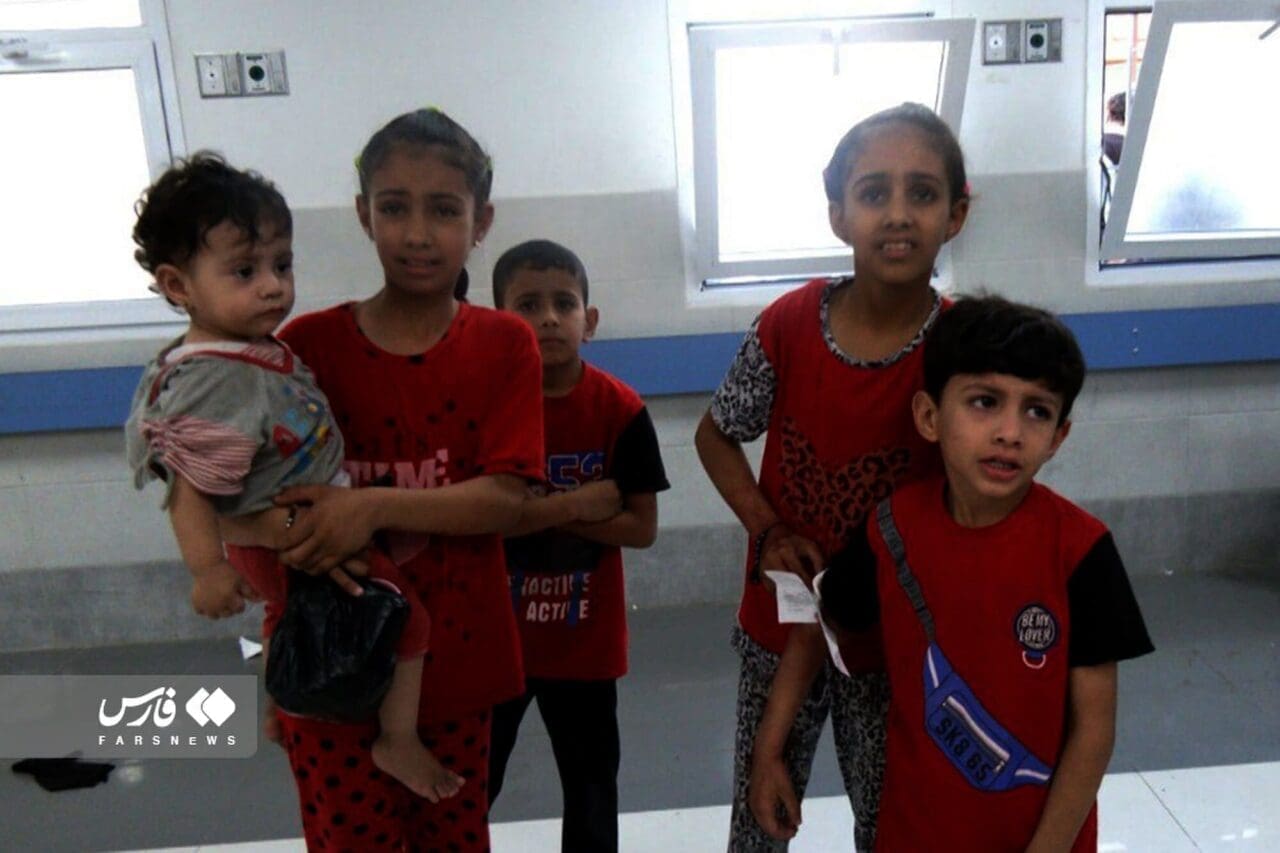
(404, 758)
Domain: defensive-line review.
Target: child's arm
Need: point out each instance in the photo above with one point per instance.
(770, 786)
(338, 522)
(266, 529)
(1091, 729)
(635, 527)
(591, 502)
(270, 528)
(215, 592)
(730, 472)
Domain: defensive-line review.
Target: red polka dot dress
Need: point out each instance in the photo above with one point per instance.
(470, 406)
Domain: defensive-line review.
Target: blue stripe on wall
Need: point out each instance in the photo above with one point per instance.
(66, 399)
(99, 397)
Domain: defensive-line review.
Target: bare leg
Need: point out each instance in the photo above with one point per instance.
(398, 752)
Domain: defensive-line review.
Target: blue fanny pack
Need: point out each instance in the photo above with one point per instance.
(983, 751)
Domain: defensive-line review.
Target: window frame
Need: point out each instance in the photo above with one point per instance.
(1179, 262)
(146, 51)
(699, 175)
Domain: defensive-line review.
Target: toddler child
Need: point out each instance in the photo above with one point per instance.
(227, 416)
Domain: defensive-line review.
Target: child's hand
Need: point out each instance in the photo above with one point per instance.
(216, 593)
(333, 525)
(344, 575)
(597, 501)
(785, 551)
(772, 799)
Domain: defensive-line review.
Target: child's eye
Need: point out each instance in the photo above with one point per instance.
(447, 211)
(983, 401)
(284, 266)
(924, 194)
(244, 273)
(391, 208)
(1040, 413)
(872, 195)
(566, 304)
(526, 306)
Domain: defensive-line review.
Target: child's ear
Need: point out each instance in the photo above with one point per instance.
(593, 318)
(362, 213)
(484, 221)
(925, 412)
(172, 284)
(835, 215)
(959, 213)
(1059, 436)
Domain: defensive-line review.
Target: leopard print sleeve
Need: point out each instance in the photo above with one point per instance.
(743, 403)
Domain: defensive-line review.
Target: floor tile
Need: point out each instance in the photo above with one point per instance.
(1224, 808)
(1132, 818)
(1206, 698)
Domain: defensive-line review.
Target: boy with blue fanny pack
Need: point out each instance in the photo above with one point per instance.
(1004, 609)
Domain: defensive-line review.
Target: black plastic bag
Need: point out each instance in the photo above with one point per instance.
(333, 654)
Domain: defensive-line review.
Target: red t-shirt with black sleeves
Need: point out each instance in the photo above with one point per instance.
(567, 591)
(1015, 606)
(470, 406)
(840, 436)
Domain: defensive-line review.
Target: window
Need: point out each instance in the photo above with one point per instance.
(85, 85)
(1197, 180)
(1124, 40)
(769, 102)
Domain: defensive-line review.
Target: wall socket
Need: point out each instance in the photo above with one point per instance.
(1001, 42)
(1042, 40)
(231, 75)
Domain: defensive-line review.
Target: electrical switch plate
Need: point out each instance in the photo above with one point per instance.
(1001, 42)
(263, 73)
(212, 75)
(218, 75)
(1042, 40)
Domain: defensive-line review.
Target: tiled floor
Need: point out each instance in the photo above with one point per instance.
(1138, 815)
(1197, 763)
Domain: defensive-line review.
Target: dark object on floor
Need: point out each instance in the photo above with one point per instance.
(64, 774)
(333, 654)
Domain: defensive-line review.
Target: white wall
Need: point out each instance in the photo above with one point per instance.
(570, 97)
(576, 102)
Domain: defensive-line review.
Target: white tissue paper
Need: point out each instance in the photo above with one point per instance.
(798, 603)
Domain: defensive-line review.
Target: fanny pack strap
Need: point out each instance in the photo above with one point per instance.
(906, 577)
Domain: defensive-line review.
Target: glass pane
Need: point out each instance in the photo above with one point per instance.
(1126, 42)
(68, 14)
(67, 209)
(1209, 165)
(780, 110)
